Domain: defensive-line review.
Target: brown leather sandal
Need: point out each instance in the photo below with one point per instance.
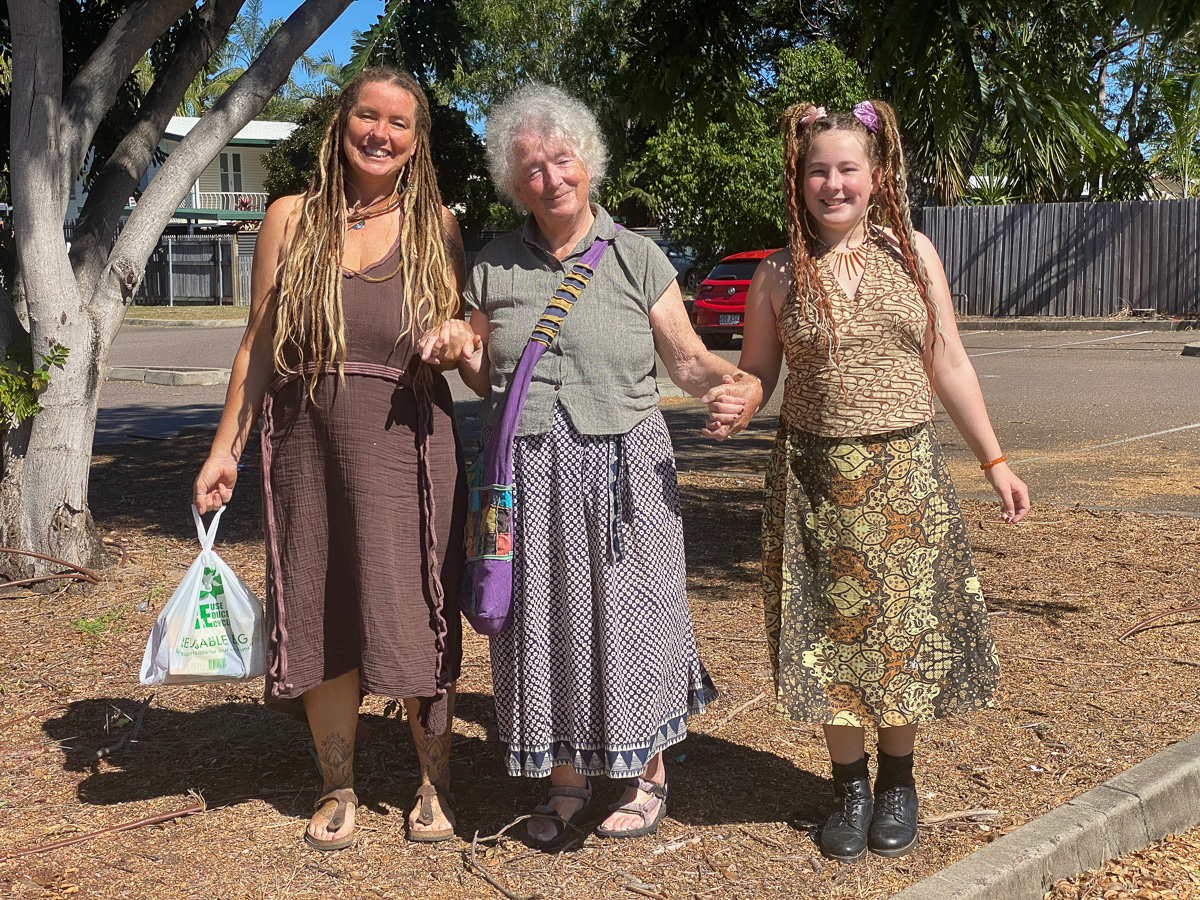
(426, 794)
(343, 797)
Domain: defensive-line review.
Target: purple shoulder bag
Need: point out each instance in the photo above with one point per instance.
(486, 594)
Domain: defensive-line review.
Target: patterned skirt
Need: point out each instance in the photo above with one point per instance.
(874, 612)
(599, 668)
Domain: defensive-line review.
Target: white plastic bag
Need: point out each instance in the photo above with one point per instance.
(211, 629)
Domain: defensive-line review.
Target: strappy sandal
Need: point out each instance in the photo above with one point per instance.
(651, 811)
(426, 794)
(344, 797)
(563, 827)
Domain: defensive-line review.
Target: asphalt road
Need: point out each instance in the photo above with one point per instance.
(1096, 418)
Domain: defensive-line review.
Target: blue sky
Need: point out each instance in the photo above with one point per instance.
(360, 15)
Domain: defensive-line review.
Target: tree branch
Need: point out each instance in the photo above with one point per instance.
(117, 180)
(40, 189)
(95, 87)
(237, 106)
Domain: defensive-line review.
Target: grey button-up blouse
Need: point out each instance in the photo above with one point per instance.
(601, 366)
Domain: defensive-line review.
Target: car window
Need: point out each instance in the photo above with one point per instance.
(737, 270)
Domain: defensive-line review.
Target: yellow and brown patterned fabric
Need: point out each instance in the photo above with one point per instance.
(874, 612)
(882, 384)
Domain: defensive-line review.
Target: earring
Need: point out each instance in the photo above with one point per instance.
(405, 177)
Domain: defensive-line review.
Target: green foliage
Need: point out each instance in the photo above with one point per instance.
(991, 188)
(20, 382)
(716, 185)
(819, 74)
(249, 36)
(1126, 180)
(291, 162)
(427, 39)
(1181, 102)
(108, 623)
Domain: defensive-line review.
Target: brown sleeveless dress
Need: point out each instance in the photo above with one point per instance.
(364, 507)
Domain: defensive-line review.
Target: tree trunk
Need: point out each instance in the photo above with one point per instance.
(46, 461)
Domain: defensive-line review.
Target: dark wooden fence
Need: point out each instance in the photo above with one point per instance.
(1070, 259)
(195, 269)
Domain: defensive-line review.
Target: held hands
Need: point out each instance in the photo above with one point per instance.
(731, 405)
(214, 484)
(1014, 495)
(449, 344)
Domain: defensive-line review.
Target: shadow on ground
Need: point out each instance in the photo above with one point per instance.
(241, 750)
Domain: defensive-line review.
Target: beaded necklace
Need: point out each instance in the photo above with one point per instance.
(850, 262)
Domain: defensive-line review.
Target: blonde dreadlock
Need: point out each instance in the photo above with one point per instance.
(884, 154)
(308, 282)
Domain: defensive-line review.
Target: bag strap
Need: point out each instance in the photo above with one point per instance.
(565, 295)
(497, 456)
(207, 536)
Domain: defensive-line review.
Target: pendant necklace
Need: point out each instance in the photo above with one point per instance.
(357, 217)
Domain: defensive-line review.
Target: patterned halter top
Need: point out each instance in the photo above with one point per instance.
(883, 385)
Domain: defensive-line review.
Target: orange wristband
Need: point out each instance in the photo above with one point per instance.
(995, 462)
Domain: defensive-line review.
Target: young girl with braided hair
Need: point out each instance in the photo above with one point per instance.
(874, 612)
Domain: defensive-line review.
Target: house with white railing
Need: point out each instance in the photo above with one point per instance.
(231, 189)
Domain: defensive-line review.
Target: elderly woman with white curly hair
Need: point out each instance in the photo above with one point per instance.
(598, 671)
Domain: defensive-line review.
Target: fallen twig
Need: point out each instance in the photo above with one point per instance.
(486, 876)
(766, 842)
(1064, 662)
(128, 826)
(958, 815)
(736, 640)
(635, 884)
(499, 834)
(1145, 623)
(642, 891)
(674, 845)
(759, 696)
(86, 574)
(34, 715)
(130, 736)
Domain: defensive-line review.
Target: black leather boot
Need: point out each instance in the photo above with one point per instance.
(844, 834)
(894, 824)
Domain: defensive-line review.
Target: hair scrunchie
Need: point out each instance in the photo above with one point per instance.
(865, 113)
(811, 114)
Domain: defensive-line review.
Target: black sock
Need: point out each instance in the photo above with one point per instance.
(850, 771)
(894, 771)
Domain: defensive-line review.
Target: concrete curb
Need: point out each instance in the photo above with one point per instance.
(1157, 797)
(973, 323)
(175, 376)
(186, 323)
(1191, 349)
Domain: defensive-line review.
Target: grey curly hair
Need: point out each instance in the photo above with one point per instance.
(555, 118)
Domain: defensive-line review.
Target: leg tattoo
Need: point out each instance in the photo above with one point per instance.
(337, 762)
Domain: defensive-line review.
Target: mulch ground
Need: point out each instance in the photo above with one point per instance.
(1077, 707)
(1166, 870)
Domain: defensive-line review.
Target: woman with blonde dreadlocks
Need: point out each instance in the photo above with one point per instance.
(874, 612)
(363, 482)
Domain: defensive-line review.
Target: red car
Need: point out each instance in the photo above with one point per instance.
(719, 311)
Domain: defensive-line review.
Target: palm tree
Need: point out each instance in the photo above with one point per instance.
(249, 36)
(1181, 102)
